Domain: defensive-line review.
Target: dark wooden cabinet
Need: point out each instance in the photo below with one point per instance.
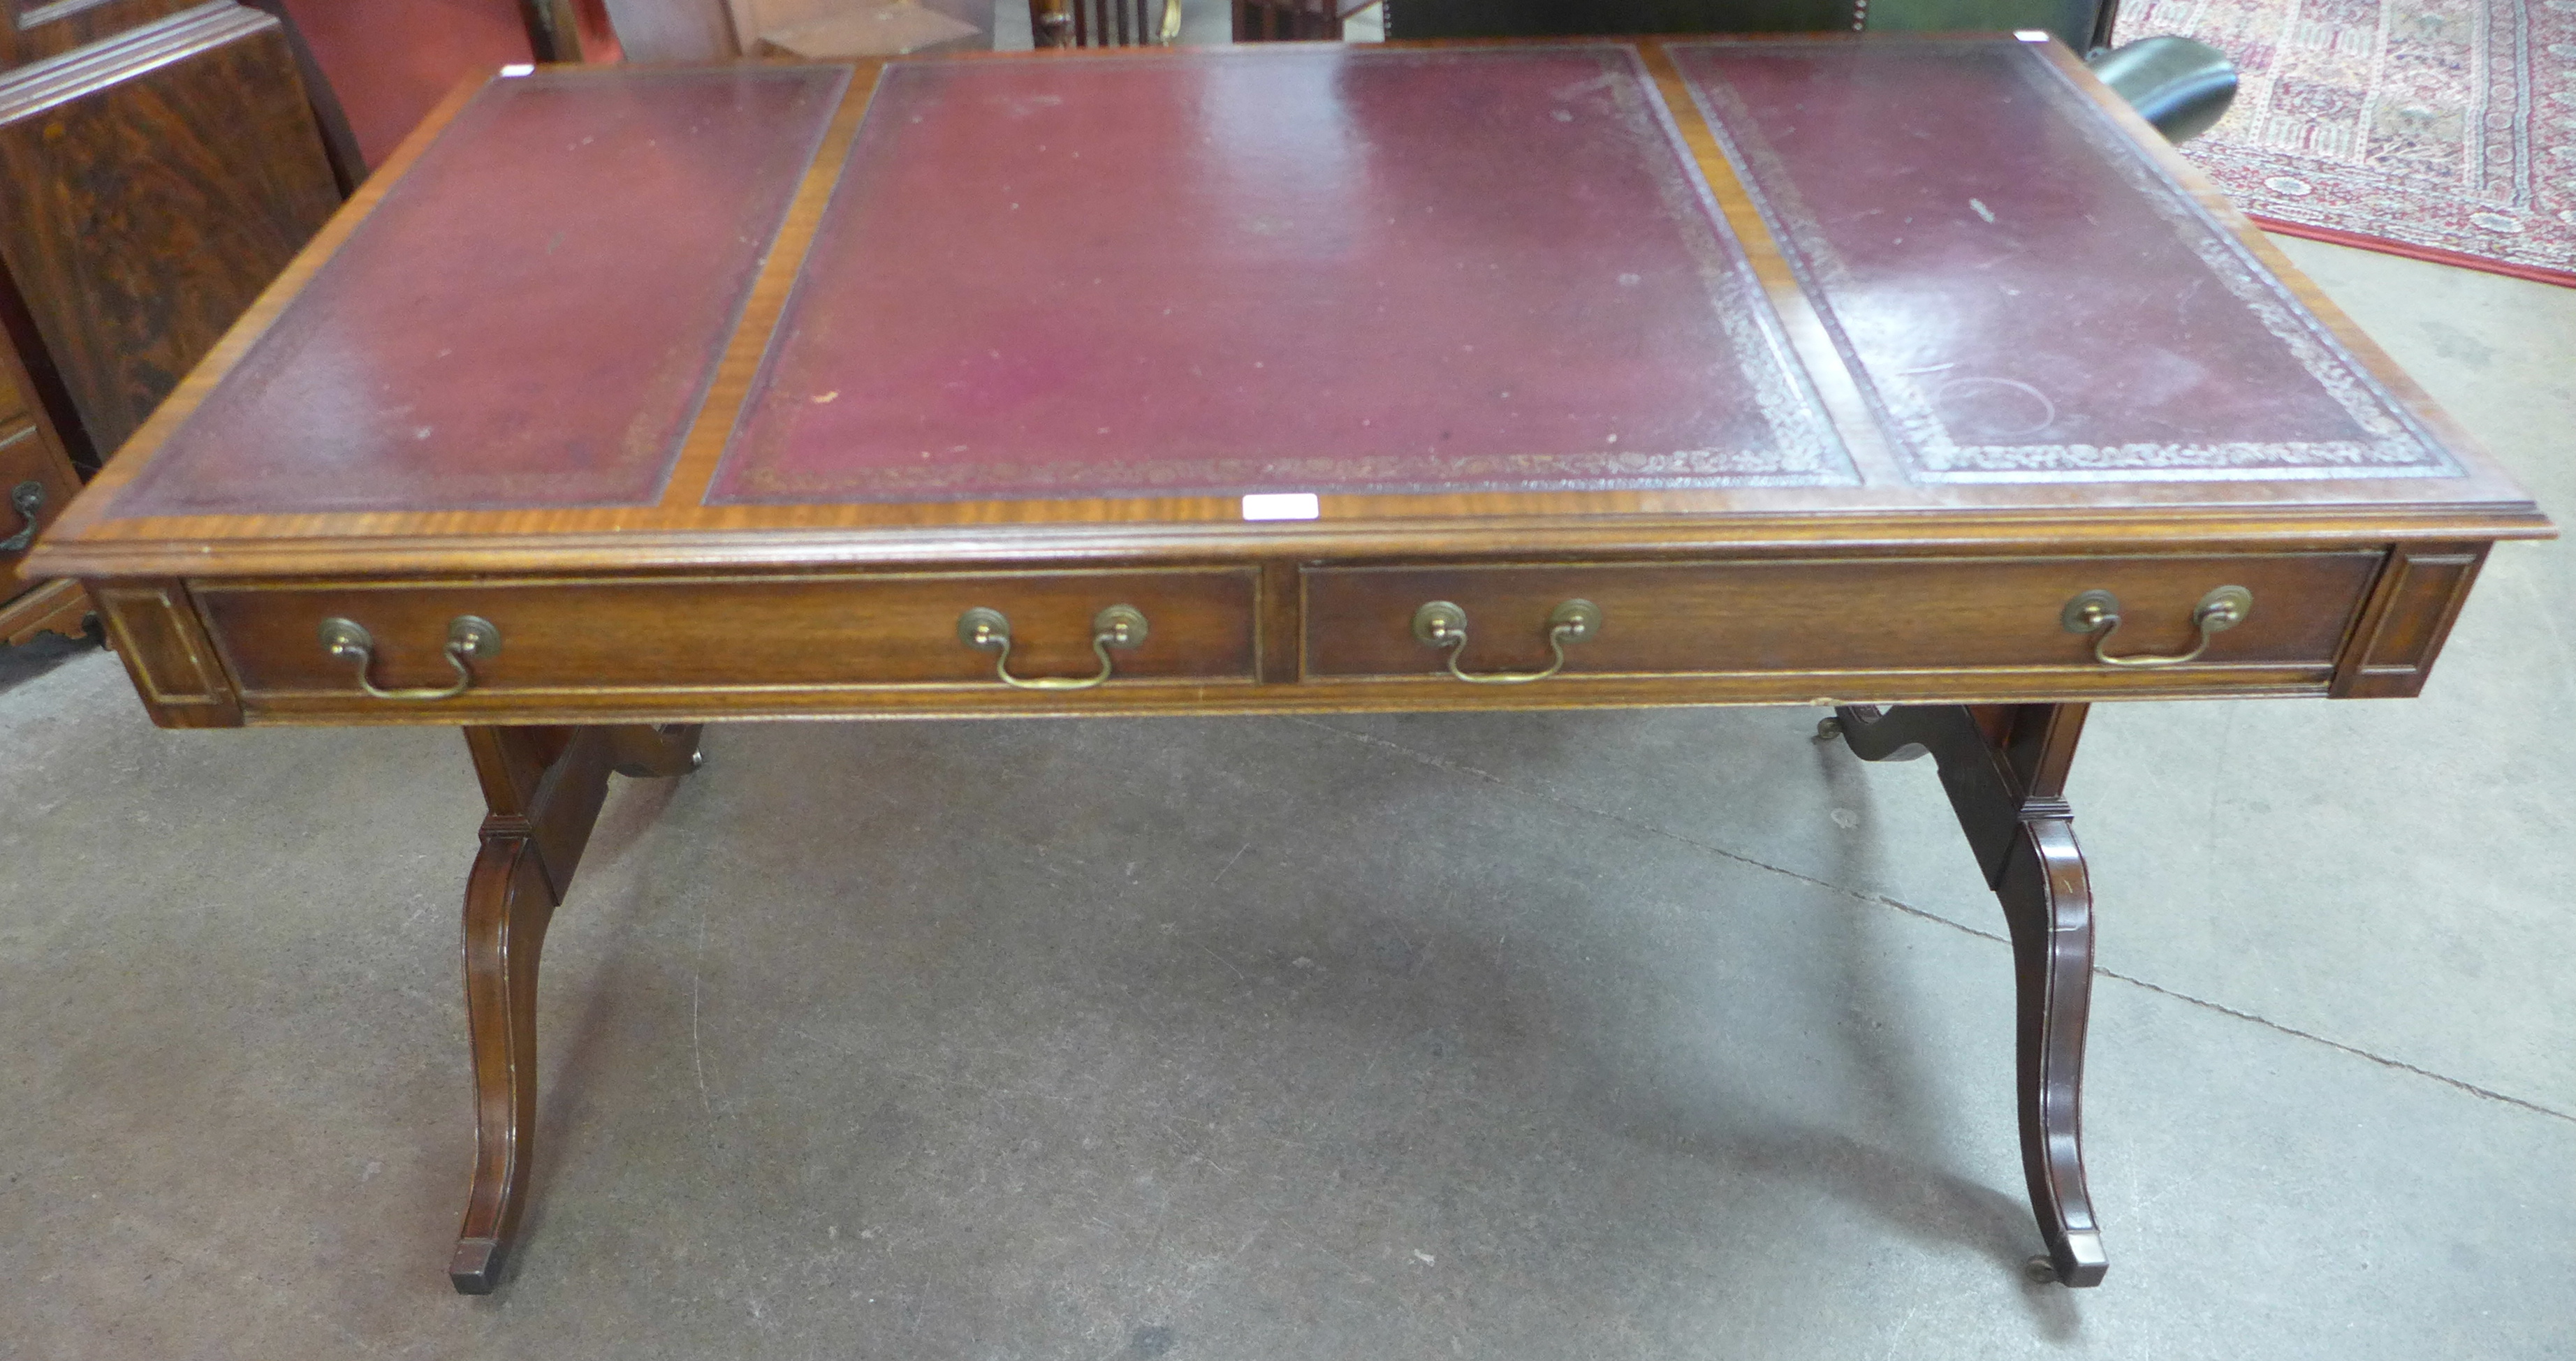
(160, 162)
(36, 482)
(163, 164)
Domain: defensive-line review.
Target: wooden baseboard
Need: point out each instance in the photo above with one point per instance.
(57, 606)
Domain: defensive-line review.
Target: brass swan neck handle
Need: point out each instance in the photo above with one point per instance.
(1119, 626)
(2098, 613)
(1442, 624)
(469, 637)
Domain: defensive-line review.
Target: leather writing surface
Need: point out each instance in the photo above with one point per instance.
(2026, 296)
(1281, 270)
(529, 319)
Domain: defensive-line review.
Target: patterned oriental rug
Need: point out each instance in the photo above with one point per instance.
(2444, 129)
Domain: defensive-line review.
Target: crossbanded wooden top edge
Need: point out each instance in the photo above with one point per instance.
(2140, 531)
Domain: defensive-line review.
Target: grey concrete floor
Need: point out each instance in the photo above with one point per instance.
(1634, 1035)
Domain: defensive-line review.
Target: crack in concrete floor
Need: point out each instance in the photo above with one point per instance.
(1879, 899)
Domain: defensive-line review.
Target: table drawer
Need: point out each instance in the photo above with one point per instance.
(701, 634)
(1894, 614)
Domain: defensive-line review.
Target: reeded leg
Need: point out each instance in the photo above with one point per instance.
(544, 787)
(2005, 769)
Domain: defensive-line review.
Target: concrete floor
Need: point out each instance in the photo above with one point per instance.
(1633, 1035)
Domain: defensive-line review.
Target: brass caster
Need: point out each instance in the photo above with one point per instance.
(2040, 1270)
(1829, 729)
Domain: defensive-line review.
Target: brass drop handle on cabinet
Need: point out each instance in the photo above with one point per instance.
(1119, 626)
(1444, 625)
(2098, 613)
(468, 637)
(26, 498)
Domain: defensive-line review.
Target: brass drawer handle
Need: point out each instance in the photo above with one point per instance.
(26, 498)
(2098, 613)
(468, 637)
(1119, 626)
(1444, 625)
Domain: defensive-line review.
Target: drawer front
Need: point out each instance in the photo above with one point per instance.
(1887, 615)
(28, 456)
(705, 634)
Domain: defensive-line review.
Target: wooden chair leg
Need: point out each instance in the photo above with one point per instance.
(544, 787)
(2004, 767)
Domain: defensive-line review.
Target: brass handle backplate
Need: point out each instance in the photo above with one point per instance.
(1444, 625)
(26, 498)
(2098, 613)
(1119, 626)
(468, 637)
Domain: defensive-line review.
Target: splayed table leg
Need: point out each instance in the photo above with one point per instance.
(544, 787)
(2005, 769)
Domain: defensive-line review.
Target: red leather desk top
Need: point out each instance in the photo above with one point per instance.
(2026, 296)
(1288, 269)
(531, 318)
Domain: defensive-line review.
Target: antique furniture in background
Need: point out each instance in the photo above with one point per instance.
(36, 484)
(1104, 23)
(571, 30)
(844, 27)
(2181, 86)
(673, 30)
(1587, 374)
(389, 61)
(1263, 21)
(339, 139)
(163, 165)
(160, 162)
(875, 28)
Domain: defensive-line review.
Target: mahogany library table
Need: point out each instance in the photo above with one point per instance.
(1831, 371)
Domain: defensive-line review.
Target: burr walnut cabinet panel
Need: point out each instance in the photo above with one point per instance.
(163, 163)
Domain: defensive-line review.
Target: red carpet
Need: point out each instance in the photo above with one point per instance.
(2444, 129)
